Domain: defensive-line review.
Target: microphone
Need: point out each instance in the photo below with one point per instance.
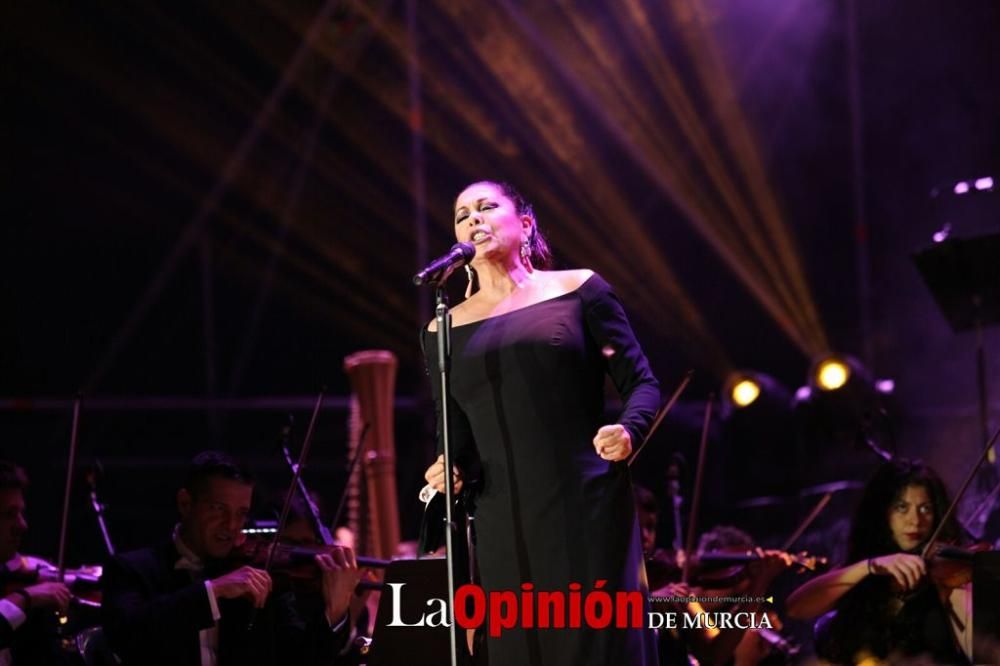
(441, 268)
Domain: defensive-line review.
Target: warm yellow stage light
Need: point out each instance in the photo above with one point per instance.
(745, 392)
(832, 374)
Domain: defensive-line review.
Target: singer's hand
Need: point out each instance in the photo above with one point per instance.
(435, 476)
(613, 442)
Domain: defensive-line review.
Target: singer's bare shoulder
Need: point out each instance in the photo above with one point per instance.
(547, 285)
(571, 280)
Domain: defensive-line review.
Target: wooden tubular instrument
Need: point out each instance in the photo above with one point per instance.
(372, 502)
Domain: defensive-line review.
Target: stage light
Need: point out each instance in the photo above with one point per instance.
(834, 373)
(885, 386)
(757, 428)
(941, 235)
(961, 187)
(831, 374)
(745, 392)
(742, 388)
(834, 415)
(746, 389)
(984, 183)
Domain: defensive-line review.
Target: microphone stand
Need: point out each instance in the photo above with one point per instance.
(442, 316)
(321, 530)
(677, 500)
(98, 508)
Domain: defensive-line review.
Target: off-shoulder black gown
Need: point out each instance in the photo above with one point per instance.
(527, 399)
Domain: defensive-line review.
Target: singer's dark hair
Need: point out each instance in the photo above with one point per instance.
(540, 254)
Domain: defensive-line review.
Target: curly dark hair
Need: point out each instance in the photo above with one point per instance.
(864, 620)
(870, 535)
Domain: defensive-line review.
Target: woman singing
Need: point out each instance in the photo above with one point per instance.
(886, 606)
(530, 351)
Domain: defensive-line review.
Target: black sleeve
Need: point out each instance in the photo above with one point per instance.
(463, 449)
(37, 641)
(137, 620)
(6, 633)
(623, 358)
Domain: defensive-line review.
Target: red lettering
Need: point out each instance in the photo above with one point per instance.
(463, 596)
(551, 610)
(503, 612)
(628, 610)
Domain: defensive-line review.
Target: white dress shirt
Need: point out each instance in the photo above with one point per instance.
(208, 638)
(11, 612)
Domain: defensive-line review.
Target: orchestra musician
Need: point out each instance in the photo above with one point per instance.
(886, 605)
(28, 633)
(186, 603)
(740, 647)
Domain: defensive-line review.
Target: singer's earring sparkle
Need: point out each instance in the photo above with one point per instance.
(525, 253)
(472, 278)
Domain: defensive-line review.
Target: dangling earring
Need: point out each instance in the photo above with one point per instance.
(472, 281)
(526, 255)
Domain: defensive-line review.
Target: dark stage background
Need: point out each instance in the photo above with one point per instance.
(222, 200)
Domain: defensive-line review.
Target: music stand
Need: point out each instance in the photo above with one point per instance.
(414, 646)
(963, 275)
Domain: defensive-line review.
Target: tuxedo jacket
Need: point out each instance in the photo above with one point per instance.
(153, 613)
(34, 643)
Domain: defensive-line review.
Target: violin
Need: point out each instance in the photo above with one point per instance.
(951, 566)
(296, 561)
(83, 582)
(723, 568)
(718, 569)
(663, 568)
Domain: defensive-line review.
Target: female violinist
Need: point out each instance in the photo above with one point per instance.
(886, 604)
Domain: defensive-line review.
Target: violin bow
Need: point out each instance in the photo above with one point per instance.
(958, 497)
(296, 476)
(667, 406)
(696, 500)
(70, 465)
(813, 515)
(287, 504)
(321, 529)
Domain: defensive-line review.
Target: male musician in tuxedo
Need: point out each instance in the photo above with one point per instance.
(176, 603)
(27, 614)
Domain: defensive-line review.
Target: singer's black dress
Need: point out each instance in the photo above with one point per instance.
(527, 399)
